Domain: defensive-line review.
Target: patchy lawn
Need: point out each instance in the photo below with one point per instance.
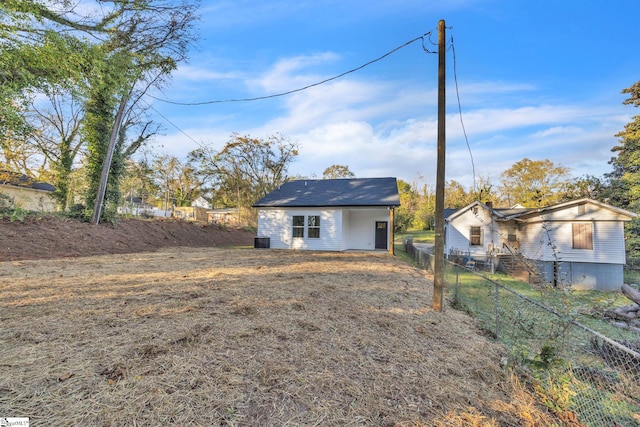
(244, 337)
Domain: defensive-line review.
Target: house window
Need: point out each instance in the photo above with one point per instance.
(298, 226)
(475, 236)
(313, 224)
(582, 235)
(512, 235)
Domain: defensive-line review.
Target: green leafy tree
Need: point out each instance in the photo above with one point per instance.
(456, 196)
(417, 207)
(426, 213)
(533, 183)
(56, 136)
(177, 182)
(588, 186)
(139, 182)
(337, 171)
(405, 213)
(246, 169)
(625, 178)
(35, 58)
(119, 50)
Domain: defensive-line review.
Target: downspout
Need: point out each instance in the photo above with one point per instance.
(391, 234)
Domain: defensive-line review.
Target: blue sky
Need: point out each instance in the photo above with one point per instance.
(537, 79)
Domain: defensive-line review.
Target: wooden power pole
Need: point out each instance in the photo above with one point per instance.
(104, 176)
(438, 273)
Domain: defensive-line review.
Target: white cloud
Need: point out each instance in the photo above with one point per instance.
(201, 75)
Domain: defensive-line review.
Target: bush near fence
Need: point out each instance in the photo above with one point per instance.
(582, 375)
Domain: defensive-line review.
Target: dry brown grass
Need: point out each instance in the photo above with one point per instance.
(244, 337)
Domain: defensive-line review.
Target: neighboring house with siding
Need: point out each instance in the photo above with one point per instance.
(330, 214)
(579, 243)
(25, 193)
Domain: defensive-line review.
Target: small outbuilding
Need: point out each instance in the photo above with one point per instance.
(329, 214)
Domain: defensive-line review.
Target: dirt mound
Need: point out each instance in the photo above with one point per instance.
(54, 237)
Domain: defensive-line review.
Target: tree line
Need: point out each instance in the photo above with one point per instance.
(70, 103)
(72, 82)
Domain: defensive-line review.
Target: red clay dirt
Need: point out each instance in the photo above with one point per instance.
(54, 237)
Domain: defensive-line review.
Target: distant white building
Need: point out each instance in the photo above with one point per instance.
(201, 202)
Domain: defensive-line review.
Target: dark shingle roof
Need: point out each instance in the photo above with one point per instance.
(18, 180)
(333, 192)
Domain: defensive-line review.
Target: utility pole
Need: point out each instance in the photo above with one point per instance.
(104, 176)
(438, 273)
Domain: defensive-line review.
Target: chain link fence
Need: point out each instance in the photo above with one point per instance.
(586, 375)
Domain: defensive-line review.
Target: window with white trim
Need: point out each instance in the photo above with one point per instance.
(313, 226)
(298, 226)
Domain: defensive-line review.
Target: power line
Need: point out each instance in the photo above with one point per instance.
(171, 123)
(258, 98)
(455, 78)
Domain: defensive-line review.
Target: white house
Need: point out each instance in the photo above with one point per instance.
(330, 214)
(578, 243)
(201, 202)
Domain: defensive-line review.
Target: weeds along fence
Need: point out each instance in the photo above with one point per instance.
(580, 372)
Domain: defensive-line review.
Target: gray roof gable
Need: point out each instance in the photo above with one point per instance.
(333, 193)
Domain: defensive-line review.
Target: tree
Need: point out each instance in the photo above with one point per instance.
(532, 183)
(246, 169)
(625, 177)
(405, 213)
(34, 59)
(455, 195)
(177, 182)
(56, 135)
(426, 213)
(588, 186)
(139, 182)
(417, 207)
(125, 48)
(337, 171)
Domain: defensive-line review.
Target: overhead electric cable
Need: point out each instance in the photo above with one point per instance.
(172, 124)
(455, 78)
(258, 98)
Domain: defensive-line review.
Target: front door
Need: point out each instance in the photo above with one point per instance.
(381, 234)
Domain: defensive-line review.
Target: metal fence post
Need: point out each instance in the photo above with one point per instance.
(497, 302)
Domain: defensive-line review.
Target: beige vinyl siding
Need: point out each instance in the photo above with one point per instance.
(30, 198)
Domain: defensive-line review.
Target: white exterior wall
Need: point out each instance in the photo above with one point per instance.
(344, 232)
(533, 241)
(340, 229)
(360, 229)
(458, 234)
(608, 243)
(277, 224)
